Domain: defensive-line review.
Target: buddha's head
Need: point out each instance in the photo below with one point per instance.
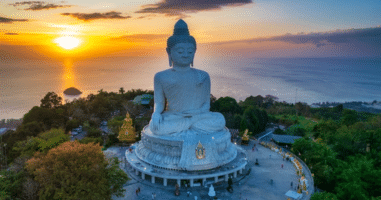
(181, 46)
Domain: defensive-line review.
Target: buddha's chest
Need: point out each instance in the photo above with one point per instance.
(181, 83)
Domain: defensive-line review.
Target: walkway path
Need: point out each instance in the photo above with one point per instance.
(255, 186)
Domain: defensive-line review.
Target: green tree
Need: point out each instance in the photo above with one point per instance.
(226, 105)
(115, 124)
(49, 118)
(116, 177)
(296, 130)
(43, 142)
(339, 108)
(279, 131)
(269, 100)
(321, 160)
(101, 106)
(87, 140)
(111, 139)
(121, 91)
(27, 147)
(243, 125)
(212, 99)
(302, 109)
(251, 101)
(22, 133)
(74, 123)
(51, 139)
(51, 100)
(251, 117)
(10, 184)
(323, 196)
(345, 142)
(237, 121)
(94, 132)
(358, 179)
(87, 176)
(349, 117)
(326, 130)
(256, 120)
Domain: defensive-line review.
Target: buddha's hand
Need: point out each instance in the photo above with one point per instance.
(191, 112)
(156, 120)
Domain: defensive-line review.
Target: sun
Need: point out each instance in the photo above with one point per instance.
(67, 42)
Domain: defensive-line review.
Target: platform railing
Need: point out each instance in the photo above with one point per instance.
(306, 171)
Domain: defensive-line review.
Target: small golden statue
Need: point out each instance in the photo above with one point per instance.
(200, 151)
(245, 137)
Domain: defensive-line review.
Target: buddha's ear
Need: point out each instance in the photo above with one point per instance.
(170, 60)
(169, 57)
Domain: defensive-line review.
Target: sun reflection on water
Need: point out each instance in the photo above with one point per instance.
(69, 80)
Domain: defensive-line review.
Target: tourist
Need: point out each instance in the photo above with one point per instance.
(137, 192)
(291, 184)
(282, 166)
(270, 156)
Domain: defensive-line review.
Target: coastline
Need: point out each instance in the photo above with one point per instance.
(359, 106)
(10, 123)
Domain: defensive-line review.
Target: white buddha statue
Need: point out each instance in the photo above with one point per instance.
(187, 91)
(183, 134)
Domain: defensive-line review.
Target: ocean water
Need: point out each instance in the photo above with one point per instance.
(25, 82)
(307, 80)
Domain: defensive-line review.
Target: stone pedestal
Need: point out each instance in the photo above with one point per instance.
(178, 151)
(232, 167)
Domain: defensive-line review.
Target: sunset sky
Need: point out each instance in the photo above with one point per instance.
(272, 28)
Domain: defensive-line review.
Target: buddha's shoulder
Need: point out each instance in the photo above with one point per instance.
(201, 72)
(163, 74)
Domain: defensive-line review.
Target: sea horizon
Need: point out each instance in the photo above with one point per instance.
(309, 80)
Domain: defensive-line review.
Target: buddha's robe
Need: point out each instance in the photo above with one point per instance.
(188, 102)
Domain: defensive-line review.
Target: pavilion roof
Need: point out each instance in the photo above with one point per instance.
(288, 139)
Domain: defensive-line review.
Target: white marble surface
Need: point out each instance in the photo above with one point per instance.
(182, 93)
(182, 119)
(235, 165)
(178, 151)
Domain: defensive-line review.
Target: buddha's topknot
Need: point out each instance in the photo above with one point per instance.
(180, 35)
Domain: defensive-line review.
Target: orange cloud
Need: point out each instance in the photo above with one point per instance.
(94, 16)
(180, 7)
(142, 37)
(38, 5)
(9, 20)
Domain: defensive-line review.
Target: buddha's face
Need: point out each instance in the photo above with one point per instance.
(182, 54)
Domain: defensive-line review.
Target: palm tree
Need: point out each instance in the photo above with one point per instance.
(121, 90)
